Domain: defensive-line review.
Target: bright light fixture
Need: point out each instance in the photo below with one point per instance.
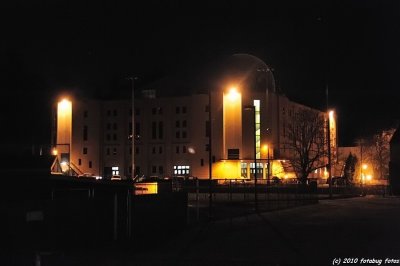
(233, 94)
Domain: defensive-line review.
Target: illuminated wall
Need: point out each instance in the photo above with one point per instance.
(227, 169)
(232, 121)
(257, 128)
(64, 127)
(333, 134)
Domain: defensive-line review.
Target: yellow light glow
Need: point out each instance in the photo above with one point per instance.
(233, 94)
(265, 147)
(365, 166)
(55, 152)
(331, 114)
(369, 177)
(64, 104)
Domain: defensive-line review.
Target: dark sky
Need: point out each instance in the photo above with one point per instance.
(91, 46)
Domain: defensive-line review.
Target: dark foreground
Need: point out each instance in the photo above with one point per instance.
(363, 229)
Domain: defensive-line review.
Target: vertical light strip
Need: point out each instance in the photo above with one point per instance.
(258, 128)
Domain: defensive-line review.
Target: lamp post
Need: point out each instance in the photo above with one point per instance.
(253, 108)
(132, 79)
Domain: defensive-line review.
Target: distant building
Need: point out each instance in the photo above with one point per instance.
(169, 136)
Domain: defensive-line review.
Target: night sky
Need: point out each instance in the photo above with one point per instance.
(48, 47)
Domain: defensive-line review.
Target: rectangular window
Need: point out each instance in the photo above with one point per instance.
(184, 149)
(85, 132)
(183, 109)
(181, 169)
(115, 151)
(177, 134)
(233, 154)
(201, 162)
(85, 150)
(184, 123)
(154, 169)
(161, 170)
(115, 170)
(177, 123)
(184, 134)
(160, 149)
(153, 130)
(177, 149)
(177, 110)
(160, 130)
(90, 164)
(153, 150)
(114, 136)
(79, 162)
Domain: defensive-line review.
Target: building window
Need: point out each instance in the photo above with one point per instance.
(201, 162)
(160, 149)
(184, 149)
(79, 161)
(115, 126)
(181, 169)
(177, 149)
(208, 129)
(90, 164)
(177, 134)
(183, 109)
(114, 136)
(160, 130)
(161, 170)
(153, 130)
(154, 169)
(85, 150)
(153, 150)
(85, 132)
(177, 123)
(85, 114)
(184, 123)
(115, 112)
(177, 110)
(115, 151)
(115, 170)
(108, 151)
(184, 134)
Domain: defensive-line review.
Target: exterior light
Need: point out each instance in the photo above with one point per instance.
(369, 177)
(233, 94)
(55, 152)
(365, 166)
(331, 114)
(64, 104)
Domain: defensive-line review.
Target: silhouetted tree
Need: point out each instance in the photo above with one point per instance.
(307, 142)
(350, 168)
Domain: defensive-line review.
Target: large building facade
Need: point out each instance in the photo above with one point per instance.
(245, 120)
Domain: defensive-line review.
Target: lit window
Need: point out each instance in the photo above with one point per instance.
(181, 169)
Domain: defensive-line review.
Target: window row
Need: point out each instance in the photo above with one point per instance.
(89, 163)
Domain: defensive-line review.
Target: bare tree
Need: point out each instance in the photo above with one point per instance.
(381, 152)
(307, 142)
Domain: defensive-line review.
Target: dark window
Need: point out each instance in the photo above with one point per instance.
(137, 129)
(79, 162)
(184, 149)
(115, 112)
(177, 123)
(90, 164)
(108, 151)
(115, 126)
(177, 149)
(85, 150)
(177, 110)
(177, 134)
(184, 134)
(202, 162)
(233, 154)
(183, 109)
(114, 136)
(208, 129)
(115, 151)
(184, 123)
(161, 170)
(85, 113)
(154, 169)
(160, 130)
(85, 132)
(153, 130)
(160, 149)
(153, 150)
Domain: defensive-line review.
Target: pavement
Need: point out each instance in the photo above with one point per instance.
(362, 229)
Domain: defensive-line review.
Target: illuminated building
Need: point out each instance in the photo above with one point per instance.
(171, 133)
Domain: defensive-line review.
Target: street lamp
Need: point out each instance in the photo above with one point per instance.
(253, 108)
